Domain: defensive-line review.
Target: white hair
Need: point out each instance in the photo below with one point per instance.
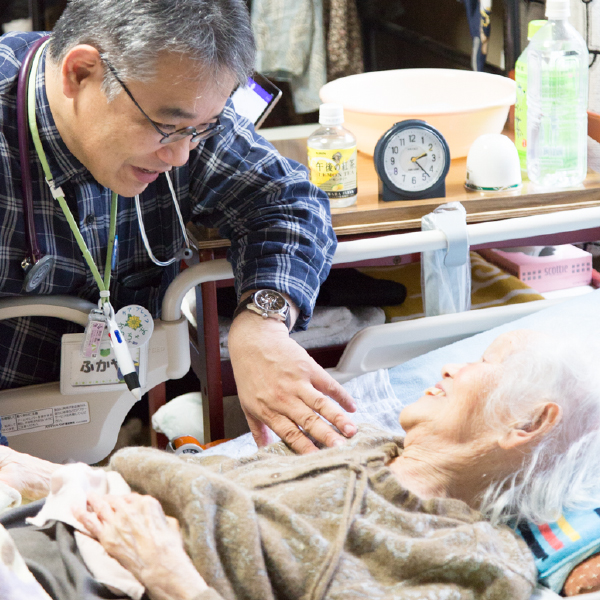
(563, 470)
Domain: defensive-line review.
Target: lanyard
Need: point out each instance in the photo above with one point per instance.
(57, 193)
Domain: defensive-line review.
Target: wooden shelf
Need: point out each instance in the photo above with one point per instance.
(370, 215)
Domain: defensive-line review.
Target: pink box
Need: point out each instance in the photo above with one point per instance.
(567, 267)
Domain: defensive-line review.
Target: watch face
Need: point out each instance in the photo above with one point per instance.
(414, 159)
(269, 300)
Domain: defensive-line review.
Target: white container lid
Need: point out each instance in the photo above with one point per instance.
(558, 9)
(331, 114)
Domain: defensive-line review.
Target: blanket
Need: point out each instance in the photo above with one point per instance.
(335, 524)
(490, 286)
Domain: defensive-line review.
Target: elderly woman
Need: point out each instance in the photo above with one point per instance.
(512, 435)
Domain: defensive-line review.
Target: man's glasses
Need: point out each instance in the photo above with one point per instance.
(169, 138)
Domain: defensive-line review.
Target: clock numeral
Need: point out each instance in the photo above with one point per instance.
(424, 176)
(395, 148)
(433, 158)
(414, 180)
(422, 140)
(393, 160)
(412, 138)
(403, 178)
(395, 170)
(431, 168)
(430, 147)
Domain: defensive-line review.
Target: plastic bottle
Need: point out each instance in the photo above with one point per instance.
(332, 157)
(557, 97)
(521, 103)
(184, 444)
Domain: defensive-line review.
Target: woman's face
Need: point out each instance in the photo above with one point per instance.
(452, 412)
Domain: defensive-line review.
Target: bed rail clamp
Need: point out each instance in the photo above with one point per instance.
(451, 220)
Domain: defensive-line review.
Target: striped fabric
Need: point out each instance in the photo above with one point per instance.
(560, 546)
(490, 286)
(278, 223)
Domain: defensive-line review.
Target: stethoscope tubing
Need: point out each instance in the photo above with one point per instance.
(23, 137)
(186, 252)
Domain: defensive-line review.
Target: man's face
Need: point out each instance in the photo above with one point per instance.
(118, 144)
(452, 412)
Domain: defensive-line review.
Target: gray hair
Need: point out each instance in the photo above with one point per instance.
(131, 34)
(563, 470)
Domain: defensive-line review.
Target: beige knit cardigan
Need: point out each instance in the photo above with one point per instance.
(336, 524)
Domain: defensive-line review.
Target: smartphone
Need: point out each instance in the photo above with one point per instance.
(256, 99)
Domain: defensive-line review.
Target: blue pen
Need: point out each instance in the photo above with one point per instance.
(115, 254)
(124, 360)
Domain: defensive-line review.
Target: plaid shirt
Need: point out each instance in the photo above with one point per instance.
(278, 223)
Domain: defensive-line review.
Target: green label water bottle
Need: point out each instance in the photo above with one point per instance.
(557, 98)
(521, 103)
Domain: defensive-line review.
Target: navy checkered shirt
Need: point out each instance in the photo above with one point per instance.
(278, 223)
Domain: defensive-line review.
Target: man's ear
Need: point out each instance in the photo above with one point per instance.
(543, 420)
(80, 66)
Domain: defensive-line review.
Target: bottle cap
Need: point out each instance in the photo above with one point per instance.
(534, 27)
(331, 114)
(558, 9)
(184, 439)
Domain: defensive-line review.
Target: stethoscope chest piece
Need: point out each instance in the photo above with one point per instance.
(37, 272)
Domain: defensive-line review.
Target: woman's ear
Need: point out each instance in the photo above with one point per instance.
(543, 420)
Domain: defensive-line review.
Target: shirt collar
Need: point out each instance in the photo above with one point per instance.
(63, 165)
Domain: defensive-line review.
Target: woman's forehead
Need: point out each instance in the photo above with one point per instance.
(510, 342)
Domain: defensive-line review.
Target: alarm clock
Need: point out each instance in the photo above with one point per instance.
(412, 160)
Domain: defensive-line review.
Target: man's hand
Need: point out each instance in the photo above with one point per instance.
(29, 475)
(282, 387)
(134, 530)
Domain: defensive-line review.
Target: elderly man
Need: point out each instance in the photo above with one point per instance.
(125, 94)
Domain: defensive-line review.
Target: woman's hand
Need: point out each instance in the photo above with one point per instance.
(29, 475)
(134, 530)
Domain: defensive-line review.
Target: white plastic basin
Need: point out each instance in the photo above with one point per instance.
(462, 104)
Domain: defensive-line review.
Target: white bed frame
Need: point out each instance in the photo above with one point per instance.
(169, 356)
(388, 345)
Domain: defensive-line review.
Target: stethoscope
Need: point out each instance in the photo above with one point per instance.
(36, 266)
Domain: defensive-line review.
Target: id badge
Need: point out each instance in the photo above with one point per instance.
(81, 375)
(94, 331)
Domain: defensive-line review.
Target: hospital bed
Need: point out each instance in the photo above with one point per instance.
(390, 344)
(169, 357)
(371, 351)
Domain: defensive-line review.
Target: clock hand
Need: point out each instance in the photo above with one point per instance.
(422, 169)
(416, 158)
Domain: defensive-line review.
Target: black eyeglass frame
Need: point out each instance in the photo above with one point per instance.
(168, 138)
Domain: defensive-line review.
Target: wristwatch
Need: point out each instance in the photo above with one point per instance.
(269, 304)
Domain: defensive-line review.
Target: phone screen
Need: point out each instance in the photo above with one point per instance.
(255, 100)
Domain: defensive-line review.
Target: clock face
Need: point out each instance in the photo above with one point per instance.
(414, 159)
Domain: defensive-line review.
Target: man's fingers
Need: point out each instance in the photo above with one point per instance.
(260, 432)
(321, 431)
(288, 431)
(327, 385)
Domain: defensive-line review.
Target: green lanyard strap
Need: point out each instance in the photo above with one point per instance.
(57, 193)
